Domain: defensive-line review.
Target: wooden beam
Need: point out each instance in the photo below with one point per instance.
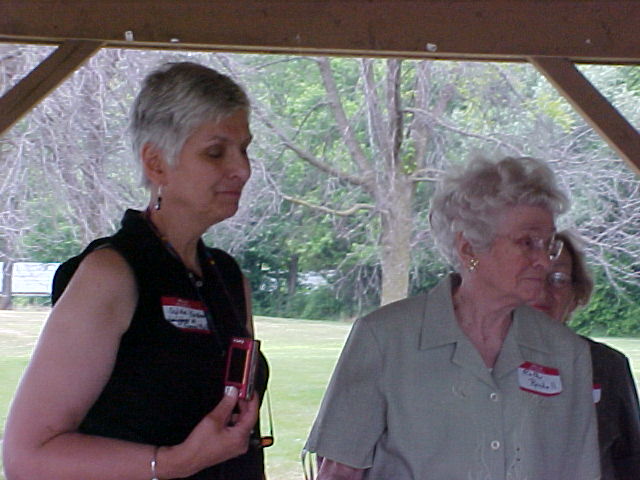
(42, 79)
(593, 106)
(581, 30)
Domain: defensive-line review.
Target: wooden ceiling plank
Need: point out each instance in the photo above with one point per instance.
(582, 30)
(593, 106)
(43, 79)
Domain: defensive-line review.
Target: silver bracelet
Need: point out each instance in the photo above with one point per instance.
(154, 462)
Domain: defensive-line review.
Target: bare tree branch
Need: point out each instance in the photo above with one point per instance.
(321, 208)
(343, 124)
(308, 156)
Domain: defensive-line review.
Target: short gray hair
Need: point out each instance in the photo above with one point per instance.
(469, 199)
(174, 100)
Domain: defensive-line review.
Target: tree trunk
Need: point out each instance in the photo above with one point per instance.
(396, 243)
(292, 278)
(6, 299)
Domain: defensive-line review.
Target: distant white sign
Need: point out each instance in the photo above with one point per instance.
(31, 278)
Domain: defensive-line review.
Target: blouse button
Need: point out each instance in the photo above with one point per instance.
(495, 445)
(494, 396)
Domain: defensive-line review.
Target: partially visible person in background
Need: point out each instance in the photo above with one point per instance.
(569, 286)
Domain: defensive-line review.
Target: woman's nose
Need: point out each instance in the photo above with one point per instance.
(240, 167)
(542, 258)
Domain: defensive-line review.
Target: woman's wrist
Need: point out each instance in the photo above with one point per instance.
(170, 463)
(154, 463)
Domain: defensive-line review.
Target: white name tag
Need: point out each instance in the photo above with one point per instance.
(597, 392)
(185, 314)
(539, 379)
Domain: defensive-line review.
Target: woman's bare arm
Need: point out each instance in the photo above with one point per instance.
(70, 365)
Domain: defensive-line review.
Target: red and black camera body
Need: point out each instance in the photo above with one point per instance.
(242, 360)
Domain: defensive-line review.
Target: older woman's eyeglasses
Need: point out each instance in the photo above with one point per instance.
(531, 244)
(559, 280)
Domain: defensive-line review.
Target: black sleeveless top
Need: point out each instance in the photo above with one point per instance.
(170, 363)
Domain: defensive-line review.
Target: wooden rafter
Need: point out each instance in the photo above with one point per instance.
(43, 79)
(552, 34)
(593, 106)
(580, 30)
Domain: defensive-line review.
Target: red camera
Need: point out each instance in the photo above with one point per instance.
(242, 360)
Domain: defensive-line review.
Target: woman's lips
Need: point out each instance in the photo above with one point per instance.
(231, 193)
(543, 308)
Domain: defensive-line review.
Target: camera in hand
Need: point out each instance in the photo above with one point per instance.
(242, 359)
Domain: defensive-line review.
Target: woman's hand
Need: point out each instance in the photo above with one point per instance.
(330, 470)
(219, 436)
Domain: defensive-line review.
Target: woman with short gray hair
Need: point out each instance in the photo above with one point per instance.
(466, 381)
(174, 100)
(128, 378)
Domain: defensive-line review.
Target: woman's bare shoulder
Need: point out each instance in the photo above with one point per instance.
(102, 288)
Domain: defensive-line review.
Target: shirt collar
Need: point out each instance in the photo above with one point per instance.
(438, 324)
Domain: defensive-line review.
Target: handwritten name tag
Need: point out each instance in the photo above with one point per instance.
(185, 314)
(539, 379)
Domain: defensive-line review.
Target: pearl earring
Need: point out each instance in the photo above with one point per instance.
(473, 264)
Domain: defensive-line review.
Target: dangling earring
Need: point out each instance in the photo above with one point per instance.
(159, 198)
(473, 264)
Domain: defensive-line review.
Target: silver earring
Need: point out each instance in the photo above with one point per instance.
(159, 198)
(473, 264)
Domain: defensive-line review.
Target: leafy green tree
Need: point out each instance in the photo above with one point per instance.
(335, 218)
(331, 123)
(610, 312)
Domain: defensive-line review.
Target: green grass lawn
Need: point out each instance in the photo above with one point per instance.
(301, 355)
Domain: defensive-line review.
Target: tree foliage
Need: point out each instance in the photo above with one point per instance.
(334, 220)
(448, 110)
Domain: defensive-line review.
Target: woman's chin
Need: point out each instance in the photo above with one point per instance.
(217, 215)
(531, 290)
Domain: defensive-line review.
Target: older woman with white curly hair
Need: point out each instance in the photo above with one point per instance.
(466, 381)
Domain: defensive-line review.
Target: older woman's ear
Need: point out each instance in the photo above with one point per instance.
(153, 163)
(465, 251)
